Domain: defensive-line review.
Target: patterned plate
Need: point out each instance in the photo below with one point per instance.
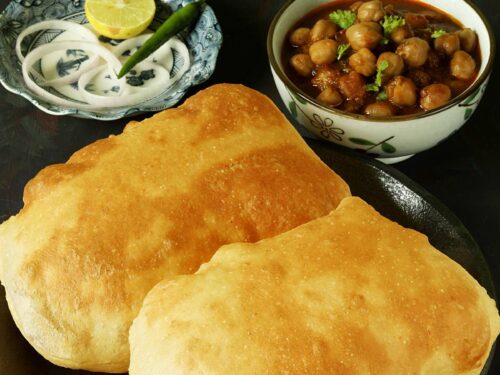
(203, 41)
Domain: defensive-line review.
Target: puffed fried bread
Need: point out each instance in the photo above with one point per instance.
(348, 293)
(98, 232)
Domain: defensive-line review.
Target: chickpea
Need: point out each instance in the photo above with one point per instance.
(302, 64)
(323, 51)
(400, 33)
(447, 43)
(364, 35)
(322, 29)
(434, 96)
(375, 26)
(414, 51)
(468, 39)
(299, 37)
(396, 65)
(401, 91)
(371, 11)
(363, 62)
(379, 109)
(355, 6)
(462, 65)
(330, 96)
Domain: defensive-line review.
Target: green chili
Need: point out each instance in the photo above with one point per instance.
(177, 22)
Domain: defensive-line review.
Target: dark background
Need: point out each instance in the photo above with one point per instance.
(463, 172)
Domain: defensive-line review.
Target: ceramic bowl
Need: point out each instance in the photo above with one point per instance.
(203, 41)
(391, 139)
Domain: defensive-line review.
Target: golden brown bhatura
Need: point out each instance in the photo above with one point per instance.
(348, 293)
(99, 231)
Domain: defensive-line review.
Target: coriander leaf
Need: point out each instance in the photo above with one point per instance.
(437, 33)
(343, 18)
(341, 49)
(372, 87)
(384, 41)
(375, 87)
(390, 23)
(382, 96)
(384, 64)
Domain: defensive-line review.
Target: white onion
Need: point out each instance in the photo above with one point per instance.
(172, 44)
(128, 44)
(126, 96)
(71, 77)
(40, 51)
(77, 29)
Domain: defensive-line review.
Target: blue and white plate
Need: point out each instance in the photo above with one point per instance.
(203, 41)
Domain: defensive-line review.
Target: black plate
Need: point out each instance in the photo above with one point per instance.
(393, 194)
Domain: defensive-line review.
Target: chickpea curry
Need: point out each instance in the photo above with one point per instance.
(381, 57)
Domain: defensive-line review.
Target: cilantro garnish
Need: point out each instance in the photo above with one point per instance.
(343, 18)
(375, 87)
(384, 64)
(437, 33)
(389, 24)
(341, 49)
(382, 96)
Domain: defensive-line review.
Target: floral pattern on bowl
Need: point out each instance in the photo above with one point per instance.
(204, 41)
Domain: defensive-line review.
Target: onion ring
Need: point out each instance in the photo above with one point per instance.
(38, 52)
(76, 28)
(85, 33)
(90, 43)
(129, 98)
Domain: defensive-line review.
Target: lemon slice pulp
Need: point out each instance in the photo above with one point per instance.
(120, 19)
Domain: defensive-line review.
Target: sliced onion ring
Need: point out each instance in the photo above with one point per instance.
(128, 44)
(89, 42)
(42, 50)
(127, 98)
(78, 29)
(173, 44)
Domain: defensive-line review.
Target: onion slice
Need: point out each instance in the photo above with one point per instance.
(128, 44)
(173, 44)
(40, 51)
(126, 95)
(78, 29)
(128, 98)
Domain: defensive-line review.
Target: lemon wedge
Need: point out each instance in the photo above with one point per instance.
(120, 19)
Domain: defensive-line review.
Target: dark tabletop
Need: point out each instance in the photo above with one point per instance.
(463, 172)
